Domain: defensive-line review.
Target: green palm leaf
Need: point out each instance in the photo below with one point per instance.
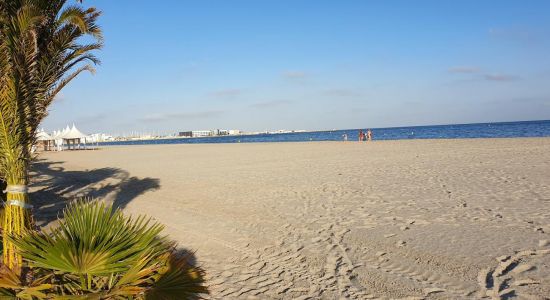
(41, 51)
(177, 280)
(98, 252)
(94, 240)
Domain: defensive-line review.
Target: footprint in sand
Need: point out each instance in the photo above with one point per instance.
(509, 276)
(523, 268)
(524, 282)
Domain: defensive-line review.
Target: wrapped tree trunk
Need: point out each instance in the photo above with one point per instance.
(16, 219)
(17, 216)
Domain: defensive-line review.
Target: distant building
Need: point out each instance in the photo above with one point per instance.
(196, 133)
(204, 133)
(185, 134)
(98, 137)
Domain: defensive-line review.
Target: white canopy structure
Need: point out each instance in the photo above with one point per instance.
(72, 133)
(42, 137)
(58, 138)
(71, 136)
(61, 133)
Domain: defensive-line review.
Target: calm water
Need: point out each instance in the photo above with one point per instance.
(481, 130)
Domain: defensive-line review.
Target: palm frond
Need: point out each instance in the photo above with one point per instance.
(178, 280)
(11, 285)
(93, 239)
(75, 16)
(40, 52)
(96, 251)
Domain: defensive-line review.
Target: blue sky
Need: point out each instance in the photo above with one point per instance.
(253, 65)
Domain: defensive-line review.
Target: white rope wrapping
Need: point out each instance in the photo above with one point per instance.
(16, 189)
(18, 203)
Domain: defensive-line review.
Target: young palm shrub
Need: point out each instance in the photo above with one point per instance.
(40, 52)
(98, 253)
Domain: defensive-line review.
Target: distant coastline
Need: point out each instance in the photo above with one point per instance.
(451, 131)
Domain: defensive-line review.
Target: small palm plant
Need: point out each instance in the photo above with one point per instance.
(98, 253)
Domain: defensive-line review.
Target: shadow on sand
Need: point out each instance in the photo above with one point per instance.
(54, 187)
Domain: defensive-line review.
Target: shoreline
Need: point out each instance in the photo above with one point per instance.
(329, 141)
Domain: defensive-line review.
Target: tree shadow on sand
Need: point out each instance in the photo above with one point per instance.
(53, 188)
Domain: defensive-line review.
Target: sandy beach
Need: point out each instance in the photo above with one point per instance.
(435, 219)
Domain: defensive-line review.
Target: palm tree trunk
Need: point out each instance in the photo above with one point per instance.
(17, 216)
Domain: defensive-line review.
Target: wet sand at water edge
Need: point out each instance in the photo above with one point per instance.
(433, 219)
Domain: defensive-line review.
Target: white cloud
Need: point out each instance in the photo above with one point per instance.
(295, 74)
(342, 93)
(270, 104)
(464, 69)
(500, 77)
(517, 34)
(227, 93)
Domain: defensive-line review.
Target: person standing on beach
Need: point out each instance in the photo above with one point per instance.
(361, 135)
(369, 135)
(345, 137)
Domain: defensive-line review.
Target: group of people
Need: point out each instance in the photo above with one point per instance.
(363, 135)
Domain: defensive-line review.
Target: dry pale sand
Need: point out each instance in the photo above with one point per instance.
(441, 219)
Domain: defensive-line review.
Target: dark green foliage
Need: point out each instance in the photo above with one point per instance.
(98, 253)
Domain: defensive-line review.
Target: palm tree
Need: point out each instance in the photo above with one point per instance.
(41, 51)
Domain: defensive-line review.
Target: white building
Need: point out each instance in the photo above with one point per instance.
(99, 137)
(205, 133)
(202, 133)
(221, 132)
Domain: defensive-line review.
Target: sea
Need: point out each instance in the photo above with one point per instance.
(456, 131)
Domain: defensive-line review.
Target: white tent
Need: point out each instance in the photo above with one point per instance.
(43, 136)
(45, 139)
(72, 136)
(73, 133)
(58, 140)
